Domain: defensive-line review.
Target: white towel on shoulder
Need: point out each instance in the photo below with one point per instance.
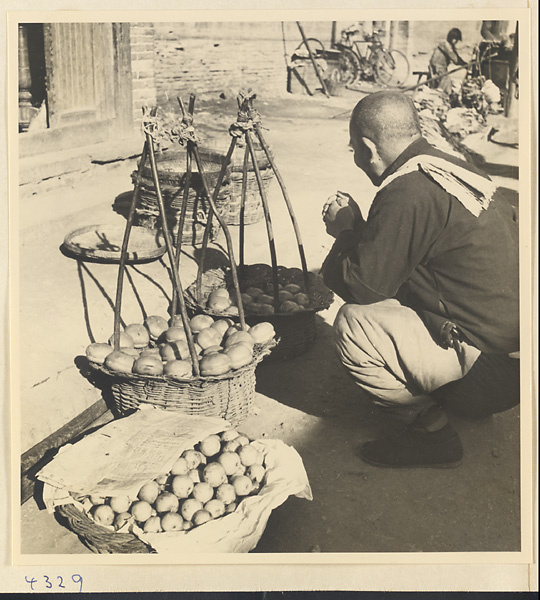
(473, 191)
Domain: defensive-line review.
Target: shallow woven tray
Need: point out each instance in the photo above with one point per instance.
(103, 243)
(296, 331)
(229, 396)
(98, 538)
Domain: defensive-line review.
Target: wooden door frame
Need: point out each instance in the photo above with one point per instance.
(70, 136)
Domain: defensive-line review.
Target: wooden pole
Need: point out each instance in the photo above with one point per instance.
(271, 240)
(224, 227)
(313, 61)
(125, 243)
(432, 79)
(180, 233)
(174, 272)
(243, 208)
(206, 235)
(185, 197)
(296, 228)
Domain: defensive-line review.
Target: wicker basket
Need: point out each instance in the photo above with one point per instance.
(229, 396)
(295, 331)
(229, 206)
(171, 173)
(98, 538)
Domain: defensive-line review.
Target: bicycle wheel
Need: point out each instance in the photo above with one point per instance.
(391, 68)
(348, 66)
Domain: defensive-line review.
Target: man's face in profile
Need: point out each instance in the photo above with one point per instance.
(362, 155)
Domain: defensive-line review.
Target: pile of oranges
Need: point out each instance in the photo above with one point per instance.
(159, 347)
(205, 483)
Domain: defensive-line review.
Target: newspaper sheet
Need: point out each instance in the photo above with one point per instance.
(123, 455)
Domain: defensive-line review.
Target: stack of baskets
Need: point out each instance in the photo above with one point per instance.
(171, 169)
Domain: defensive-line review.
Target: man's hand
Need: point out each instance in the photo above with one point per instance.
(340, 212)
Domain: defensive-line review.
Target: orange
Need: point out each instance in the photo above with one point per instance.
(230, 461)
(172, 521)
(200, 517)
(182, 486)
(211, 445)
(180, 467)
(103, 514)
(166, 502)
(149, 492)
(214, 474)
(189, 508)
(119, 504)
(141, 510)
(242, 485)
(203, 492)
(193, 458)
(153, 525)
(215, 507)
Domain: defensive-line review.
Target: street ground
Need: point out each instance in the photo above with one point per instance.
(308, 402)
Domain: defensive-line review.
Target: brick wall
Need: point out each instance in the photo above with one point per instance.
(143, 66)
(223, 57)
(214, 58)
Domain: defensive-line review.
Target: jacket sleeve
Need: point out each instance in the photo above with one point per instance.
(402, 225)
(334, 269)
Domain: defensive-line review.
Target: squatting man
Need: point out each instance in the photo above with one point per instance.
(430, 324)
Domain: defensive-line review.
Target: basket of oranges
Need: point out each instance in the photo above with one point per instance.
(200, 366)
(215, 496)
(299, 299)
(154, 365)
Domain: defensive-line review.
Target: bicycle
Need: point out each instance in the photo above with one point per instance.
(389, 68)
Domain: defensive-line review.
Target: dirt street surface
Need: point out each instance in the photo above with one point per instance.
(309, 401)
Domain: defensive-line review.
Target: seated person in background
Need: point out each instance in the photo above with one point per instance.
(430, 281)
(443, 55)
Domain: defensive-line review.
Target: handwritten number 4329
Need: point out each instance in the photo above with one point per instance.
(59, 583)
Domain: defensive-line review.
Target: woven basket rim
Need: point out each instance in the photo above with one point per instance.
(190, 295)
(261, 350)
(106, 536)
(133, 255)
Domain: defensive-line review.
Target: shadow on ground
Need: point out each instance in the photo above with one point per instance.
(360, 508)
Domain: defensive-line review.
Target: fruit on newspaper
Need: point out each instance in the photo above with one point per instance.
(175, 501)
(158, 348)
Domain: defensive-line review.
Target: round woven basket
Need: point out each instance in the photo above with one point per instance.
(295, 331)
(229, 396)
(171, 165)
(98, 538)
(229, 206)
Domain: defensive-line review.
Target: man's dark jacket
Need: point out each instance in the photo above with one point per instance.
(420, 245)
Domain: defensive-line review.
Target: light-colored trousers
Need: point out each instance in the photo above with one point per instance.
(390, 353)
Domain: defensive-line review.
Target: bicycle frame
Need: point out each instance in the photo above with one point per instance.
(373, 47)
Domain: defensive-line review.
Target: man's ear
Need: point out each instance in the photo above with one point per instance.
(373, 151)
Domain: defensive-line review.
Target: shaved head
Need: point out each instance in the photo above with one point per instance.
(382, 126)
(386, 118)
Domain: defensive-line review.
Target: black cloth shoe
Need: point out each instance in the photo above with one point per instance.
(416, 447)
